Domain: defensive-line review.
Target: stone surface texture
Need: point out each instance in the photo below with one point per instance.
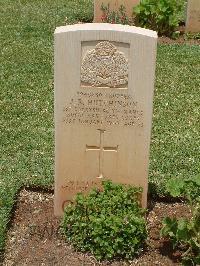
(114, 5)
(193, 16)
(104, 82)
(104, 66)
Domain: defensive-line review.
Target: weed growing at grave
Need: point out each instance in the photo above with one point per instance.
(162, 16)
(185, 232)
(115, 17)
(108, 223)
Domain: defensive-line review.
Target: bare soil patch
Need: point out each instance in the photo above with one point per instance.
(180, 40)
(34, 238)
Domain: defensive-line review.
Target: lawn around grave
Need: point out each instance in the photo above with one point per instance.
(26, 84)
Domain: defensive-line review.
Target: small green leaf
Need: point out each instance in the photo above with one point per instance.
(175, 187)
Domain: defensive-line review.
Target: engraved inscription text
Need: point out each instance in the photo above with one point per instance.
(103, 109)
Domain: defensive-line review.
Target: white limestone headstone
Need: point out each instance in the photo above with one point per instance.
(104, 82)
(193, 16)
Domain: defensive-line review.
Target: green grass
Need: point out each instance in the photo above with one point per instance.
(26, 84)
(175, 150)
(26, 103)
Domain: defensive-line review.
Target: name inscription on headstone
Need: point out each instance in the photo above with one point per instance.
(101, 108)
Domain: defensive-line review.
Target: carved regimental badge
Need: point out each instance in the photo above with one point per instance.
(104, 66)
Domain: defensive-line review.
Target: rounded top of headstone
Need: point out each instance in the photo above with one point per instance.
(107, 27)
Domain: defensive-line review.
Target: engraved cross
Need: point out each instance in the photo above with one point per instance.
(101, 148)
